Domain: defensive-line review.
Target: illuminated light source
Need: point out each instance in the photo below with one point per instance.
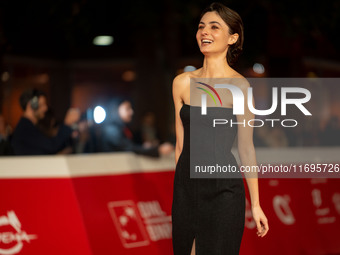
(103, 40)
(189, 68)
(5, 76)
(258, 68)
(311, 75)
(99, 114)
(42, 78)
(129, 75)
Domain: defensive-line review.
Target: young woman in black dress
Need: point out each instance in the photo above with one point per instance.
(208, 215)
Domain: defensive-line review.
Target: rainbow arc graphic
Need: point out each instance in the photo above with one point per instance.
(209, 93)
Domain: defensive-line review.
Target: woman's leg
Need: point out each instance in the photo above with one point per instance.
(193, 248)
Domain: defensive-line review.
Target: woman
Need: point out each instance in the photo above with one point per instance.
(208, 215)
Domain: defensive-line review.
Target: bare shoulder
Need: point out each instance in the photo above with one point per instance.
(181, 81)
(182, 78)
(178, 87)
(240, 81)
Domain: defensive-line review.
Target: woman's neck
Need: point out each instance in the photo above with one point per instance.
(215, 67)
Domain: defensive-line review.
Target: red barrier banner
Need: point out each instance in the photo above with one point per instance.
(124, 207)
(41, 216)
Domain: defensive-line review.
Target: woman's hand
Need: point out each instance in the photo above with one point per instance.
(260, 220)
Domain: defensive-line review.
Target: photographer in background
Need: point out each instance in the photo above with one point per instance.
(28, 139)
(116, 135)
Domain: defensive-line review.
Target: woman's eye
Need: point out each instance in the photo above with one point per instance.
(200, 27)
(214, 27)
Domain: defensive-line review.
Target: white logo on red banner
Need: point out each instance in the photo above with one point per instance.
(157, 223)
(12, 237)
(283, 210)
(322, 213)
(138, 224)
(336, 201)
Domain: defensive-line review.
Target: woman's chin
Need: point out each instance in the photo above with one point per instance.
(210, 52)
(206, 52)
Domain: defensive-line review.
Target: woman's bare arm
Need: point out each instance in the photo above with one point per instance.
(246, 148)
(248, 158)
(177, 89)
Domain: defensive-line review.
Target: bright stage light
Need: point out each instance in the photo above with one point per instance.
(99, 114)
(103, 40)
(258, 68)
(189, 68)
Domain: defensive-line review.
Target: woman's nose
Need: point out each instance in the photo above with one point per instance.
(204, 31)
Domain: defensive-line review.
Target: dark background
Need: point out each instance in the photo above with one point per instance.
(48, 45)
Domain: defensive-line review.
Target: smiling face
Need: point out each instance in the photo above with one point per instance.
(213, 35)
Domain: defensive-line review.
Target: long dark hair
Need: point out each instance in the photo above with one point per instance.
(235, 24)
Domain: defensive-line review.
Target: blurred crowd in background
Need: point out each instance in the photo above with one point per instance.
(86, 53)
(39, 133)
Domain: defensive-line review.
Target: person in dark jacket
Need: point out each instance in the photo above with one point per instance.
(5, 133)
(116, 136)
(28, 139)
